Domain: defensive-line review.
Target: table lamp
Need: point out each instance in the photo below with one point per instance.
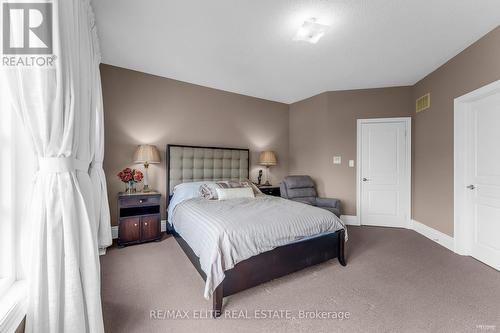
(146, 154)
(268, 159)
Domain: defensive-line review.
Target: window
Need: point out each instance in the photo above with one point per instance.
(7, 268)
(17, 166)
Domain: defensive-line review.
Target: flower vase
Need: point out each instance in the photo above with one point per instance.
(130, 187)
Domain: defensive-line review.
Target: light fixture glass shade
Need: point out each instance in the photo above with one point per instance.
(147, 154)
(268, 158)
(310, 31)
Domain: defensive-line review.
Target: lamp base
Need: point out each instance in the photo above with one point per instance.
(146, 188)
(267, 183)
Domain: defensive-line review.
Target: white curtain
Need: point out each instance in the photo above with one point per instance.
(61, 107)
(97, 176)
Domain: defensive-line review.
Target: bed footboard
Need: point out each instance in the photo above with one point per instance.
(279, 262)
(341, 255)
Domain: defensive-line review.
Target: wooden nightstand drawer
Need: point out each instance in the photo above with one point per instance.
(139, 200)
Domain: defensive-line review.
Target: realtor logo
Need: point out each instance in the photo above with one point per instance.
(27, 28)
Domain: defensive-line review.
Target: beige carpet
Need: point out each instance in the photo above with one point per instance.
(395, 281)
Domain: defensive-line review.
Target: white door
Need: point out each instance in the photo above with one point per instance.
(483, 179)
(384, 171)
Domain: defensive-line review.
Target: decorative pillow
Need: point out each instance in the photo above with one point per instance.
(209, 190)
(234, 193)
(248, 183)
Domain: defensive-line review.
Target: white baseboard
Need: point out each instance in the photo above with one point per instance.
(350, 219)
(114, 229)
(434, 235)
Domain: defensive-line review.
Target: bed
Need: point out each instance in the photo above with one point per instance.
(274, 236)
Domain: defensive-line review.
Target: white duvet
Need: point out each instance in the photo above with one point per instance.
(223, 233)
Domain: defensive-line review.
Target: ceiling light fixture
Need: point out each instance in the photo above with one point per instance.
(310, 31)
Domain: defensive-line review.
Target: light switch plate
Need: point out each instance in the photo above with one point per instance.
(337, 159)
(351, 163)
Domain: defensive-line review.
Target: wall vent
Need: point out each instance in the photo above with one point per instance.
(423, 103)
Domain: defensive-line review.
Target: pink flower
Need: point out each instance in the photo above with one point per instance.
(125, 175)
(138, 175)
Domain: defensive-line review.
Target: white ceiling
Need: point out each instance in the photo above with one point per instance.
(246, 46)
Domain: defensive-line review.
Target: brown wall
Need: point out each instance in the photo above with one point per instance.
(141, 108)
(475, 67)
(325, 125)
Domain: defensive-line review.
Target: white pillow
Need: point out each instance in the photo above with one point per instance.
(234, 193)
(183, 191)
(188, 190)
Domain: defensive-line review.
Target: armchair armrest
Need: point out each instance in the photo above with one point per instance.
(283, 190)
(328, 202)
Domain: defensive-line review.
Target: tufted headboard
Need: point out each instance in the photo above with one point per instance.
(196, 163)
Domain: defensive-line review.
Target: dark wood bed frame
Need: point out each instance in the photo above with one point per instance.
(266, 266)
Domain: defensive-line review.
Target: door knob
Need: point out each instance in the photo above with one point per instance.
(365, 179)
(471, 187)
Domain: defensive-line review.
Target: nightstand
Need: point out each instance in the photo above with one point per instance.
(138, 218)
(270, 190)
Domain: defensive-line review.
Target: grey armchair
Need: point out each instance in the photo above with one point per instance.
(302, 189)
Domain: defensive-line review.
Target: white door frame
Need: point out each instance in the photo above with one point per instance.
(407, 121)
(463, 228)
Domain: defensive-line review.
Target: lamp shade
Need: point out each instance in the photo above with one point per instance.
(268, 158)
(147, 154)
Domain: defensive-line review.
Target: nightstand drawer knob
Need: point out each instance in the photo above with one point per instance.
(141, 201)
(135, 224)
(146, 223)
